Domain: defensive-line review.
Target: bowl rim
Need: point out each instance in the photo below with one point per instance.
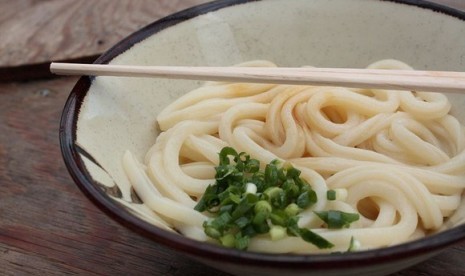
(71, 153)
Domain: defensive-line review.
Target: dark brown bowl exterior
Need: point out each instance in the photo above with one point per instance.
(371, 262)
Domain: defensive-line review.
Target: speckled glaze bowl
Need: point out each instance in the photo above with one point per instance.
(104, 116)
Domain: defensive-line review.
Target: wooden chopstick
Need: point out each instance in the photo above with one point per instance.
(412, 80)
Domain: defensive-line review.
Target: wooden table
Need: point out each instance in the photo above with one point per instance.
(47, 226)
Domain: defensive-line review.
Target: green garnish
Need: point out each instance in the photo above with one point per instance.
(353, 245)
(248, 202)
(308, 235)
(331, 195)
(337, 219)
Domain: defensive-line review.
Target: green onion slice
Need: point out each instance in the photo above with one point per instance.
(273, 209)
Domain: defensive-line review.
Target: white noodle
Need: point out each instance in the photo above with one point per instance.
(396, 157)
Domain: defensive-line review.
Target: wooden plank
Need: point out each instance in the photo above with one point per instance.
(15, 261)
(47, 30)
(47, 226)
(33, 33)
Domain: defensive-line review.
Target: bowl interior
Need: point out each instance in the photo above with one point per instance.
(118, 114)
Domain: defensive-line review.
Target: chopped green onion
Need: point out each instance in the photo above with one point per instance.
(331, 195)
(291, 188)
(226, 208)
(275, 196)
(307, 235)
(271, 175)
(292, 209)
(337, 219)
(279, 217)
(228, 240)
(354, 245)
(225, 152)
(252, 166)
(259, 223)
(208, 200)
(221, 221)
(241, 242)
(250, 188)
(277, 232)
(223, 171)
(292, 172)
(244, 206)
(242, 222)
(314, 238)
(262, 206)
(247, 202)
(306, 199)
(250, 231)
(260, 218)
(212, 232)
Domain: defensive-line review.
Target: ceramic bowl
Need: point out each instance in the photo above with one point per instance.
(104, 116)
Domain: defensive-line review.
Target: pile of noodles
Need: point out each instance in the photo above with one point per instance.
(394, 157)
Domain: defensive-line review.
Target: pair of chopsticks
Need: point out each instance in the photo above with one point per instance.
(431, 81)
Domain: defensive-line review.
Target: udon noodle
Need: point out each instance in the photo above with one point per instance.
(395, 157)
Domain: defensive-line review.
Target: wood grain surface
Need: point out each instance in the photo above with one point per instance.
(66, 29)
(33, 32)
(47, 226)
